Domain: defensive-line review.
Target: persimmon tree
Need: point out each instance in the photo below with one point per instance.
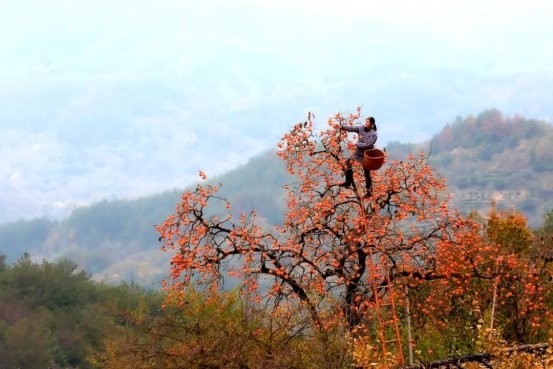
(522, 273)
(318, 258)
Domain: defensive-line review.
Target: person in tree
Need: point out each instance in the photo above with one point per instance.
(366, 139)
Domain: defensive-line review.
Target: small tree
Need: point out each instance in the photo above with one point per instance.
(505, 290)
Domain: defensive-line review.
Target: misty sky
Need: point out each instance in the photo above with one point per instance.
(117, 99)
(128, 38)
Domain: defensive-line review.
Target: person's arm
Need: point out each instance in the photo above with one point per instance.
(350, 128)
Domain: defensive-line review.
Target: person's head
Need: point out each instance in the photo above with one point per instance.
(370, 123)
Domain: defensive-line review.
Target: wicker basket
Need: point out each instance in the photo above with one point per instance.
(373, 159)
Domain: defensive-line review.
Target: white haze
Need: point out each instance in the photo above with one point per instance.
(102, 99)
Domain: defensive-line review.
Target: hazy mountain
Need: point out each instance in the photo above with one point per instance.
(485, 158)
(507, 160)
(72, 142)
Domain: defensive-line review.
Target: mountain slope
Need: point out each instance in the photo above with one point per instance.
(508, 160)
(493, 158)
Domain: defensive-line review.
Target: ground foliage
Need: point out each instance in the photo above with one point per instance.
(220, 331)
(53, 315)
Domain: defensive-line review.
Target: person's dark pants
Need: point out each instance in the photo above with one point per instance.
(349, 174)
(368, 180)
(349, 177)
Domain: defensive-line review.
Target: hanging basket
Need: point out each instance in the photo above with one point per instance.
(373, 159)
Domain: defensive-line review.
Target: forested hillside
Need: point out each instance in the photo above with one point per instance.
(508, 160)
(490, 157)
(54, 316)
